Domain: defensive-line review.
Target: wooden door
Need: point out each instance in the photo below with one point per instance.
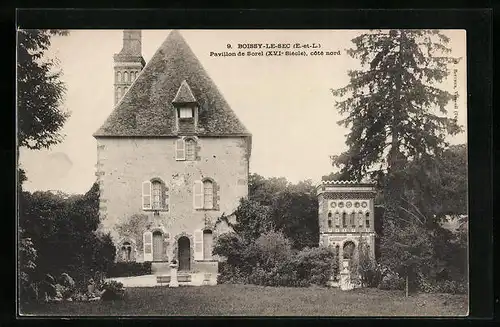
(157, 246)
(184, 253)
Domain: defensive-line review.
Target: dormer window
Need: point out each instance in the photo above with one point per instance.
(186, 112)
(186, 107)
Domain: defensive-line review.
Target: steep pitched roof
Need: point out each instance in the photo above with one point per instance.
(147, 108)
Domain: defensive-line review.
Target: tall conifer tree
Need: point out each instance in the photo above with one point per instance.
(396, 110)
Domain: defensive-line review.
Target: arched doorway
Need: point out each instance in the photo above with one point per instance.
(184, 249)
(126, 251)
(348, 250)
(157, 246)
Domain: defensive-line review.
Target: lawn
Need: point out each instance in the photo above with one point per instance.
(251, 300)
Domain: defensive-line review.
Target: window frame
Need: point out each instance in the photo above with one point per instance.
(164, 195)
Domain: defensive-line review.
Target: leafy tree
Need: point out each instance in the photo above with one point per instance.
(252, 220)
(295, 213)
(263, 190)
(40, 91)
(64, 233)
(394, 109)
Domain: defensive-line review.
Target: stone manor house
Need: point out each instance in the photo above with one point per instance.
(172, 158)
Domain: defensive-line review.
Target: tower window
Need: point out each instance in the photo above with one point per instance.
(119, 77)
(353, 220)
(337, 219)
(344, 219)
(360, 219)
(125, 77)
(329, 223)
(367, 220)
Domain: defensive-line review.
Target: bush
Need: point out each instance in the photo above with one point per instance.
(113, 290)
(315, 265)
(447, 286)
(128, 269)
(392, 281)
(270, 261)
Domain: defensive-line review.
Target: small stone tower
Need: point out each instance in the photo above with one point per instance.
(346, 213)
(128, 62)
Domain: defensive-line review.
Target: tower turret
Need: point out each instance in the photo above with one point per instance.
(128, 62)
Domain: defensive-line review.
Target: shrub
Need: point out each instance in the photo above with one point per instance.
(392, 281)
(229, 274)
(446, 286)
(315, 265)
(113, 290)
(128, 269)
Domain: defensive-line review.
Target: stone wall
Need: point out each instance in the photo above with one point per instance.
(125, 163)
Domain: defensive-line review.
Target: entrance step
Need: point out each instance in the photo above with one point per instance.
(189, 279)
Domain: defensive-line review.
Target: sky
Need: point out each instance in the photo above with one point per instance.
(284, 99)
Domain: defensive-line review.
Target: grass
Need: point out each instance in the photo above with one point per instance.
(251, 300)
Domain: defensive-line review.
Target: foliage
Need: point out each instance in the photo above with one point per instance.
(315, 265)
(40, 91)
(263, 190)
(363, 268)
(64, 232)
(445, 286)
(270, 260)
(113, 290)
(127, 269)
(27, 278)
(295, 213)
(280, 205)
(133, 228)
(392, 281)
(393, 103)
(407, 249)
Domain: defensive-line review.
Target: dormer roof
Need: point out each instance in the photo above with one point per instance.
(184, 94)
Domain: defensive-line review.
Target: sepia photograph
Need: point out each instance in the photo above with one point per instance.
(204, 172)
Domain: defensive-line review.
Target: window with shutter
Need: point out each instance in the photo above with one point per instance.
(198, 194)
(180, 150)
(198, 244)
(146, 195)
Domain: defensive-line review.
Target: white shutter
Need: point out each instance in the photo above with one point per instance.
(198, 195)
(180, 149)
(147, 245)
(198, 244)
(146, 195)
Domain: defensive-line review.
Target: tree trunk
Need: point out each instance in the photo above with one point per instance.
(407, 285)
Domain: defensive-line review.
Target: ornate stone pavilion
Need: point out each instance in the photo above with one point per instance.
(346, 214)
